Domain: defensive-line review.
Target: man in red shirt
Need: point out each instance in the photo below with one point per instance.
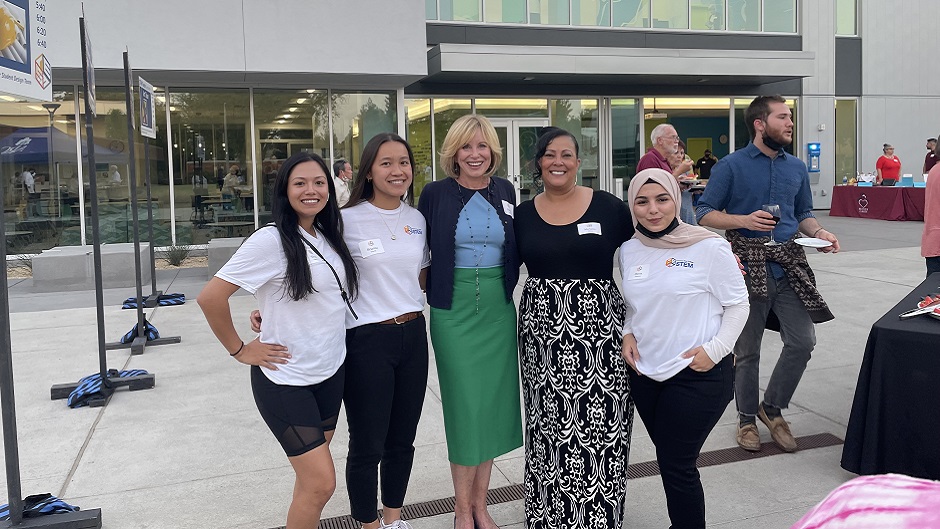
(931, 158)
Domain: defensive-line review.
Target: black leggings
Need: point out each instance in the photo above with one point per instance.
(298, 416)
(679, 413)
(386, 379)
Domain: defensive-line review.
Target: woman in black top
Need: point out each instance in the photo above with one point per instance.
(578, 412)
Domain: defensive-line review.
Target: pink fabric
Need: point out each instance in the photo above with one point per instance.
(930, 242)
(888, 501)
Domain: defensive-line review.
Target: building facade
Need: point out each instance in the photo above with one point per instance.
(242, 85)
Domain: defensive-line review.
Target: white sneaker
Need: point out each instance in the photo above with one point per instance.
(397, 524)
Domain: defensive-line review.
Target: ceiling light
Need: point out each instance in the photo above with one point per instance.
(7, 98)
(310, 90)
(293, 109)
(301, 100)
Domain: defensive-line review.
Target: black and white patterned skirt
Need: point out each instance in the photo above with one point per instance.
(578, 411)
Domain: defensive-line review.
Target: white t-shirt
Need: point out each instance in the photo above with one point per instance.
(312, 329)
(675, 300)
(342, 191)
(388, 268)
(29, 181)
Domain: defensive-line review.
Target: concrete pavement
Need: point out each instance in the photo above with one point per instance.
(193, 452)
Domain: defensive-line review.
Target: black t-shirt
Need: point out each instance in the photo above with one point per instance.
(576, 250)
(704, 165)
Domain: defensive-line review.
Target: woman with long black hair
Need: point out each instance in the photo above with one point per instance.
(300, 271)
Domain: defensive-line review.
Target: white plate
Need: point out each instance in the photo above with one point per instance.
(813, 242)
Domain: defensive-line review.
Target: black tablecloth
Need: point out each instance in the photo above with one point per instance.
(895, 420)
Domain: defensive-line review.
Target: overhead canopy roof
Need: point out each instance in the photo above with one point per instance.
(556, 65)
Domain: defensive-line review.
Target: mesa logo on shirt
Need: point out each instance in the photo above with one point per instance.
(672, 261)
(410, 230)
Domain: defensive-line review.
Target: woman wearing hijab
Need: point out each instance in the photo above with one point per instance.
(682, 373)
(578, 413)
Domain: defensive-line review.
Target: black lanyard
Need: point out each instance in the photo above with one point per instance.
(338, 282)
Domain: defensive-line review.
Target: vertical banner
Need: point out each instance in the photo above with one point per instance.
(25, 69)
(148, 114)
(88, 67)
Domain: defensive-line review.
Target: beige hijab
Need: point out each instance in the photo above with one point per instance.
(684, 234)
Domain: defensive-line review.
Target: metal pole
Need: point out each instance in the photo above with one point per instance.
(10, 448)
(129, 104)
(153, 261)
(95, 228)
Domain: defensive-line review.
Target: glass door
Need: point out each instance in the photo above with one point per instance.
(518, 138)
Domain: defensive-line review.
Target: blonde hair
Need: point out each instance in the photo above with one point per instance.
(460, 134)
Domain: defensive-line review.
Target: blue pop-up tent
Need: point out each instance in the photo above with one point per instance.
(31, 146)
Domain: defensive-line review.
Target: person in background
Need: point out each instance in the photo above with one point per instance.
(474, 269)
(930, 241)
(114, 176)
(665, 142)
(931, 159)
(578, 412)
(779, 279)
(888, 166)
(682, 370)
(342, 176)
(299, 270)
(678, 161)
(704, 165)
(229, 185)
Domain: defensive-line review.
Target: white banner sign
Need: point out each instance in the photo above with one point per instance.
(25, 70)
(148, 112)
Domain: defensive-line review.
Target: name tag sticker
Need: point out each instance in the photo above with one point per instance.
(593, 228)
(638, 272)
(371, 247)
(509, 209)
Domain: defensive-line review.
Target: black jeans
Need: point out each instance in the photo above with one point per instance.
(679, 413)
(933, 265)
(386, 379)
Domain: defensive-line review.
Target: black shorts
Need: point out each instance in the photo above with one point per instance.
(298, 416)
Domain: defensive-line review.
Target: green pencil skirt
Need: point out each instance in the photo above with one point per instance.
(478, 368)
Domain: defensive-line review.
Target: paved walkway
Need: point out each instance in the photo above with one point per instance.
(193, 452)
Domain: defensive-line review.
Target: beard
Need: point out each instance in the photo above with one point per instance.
(775, 141)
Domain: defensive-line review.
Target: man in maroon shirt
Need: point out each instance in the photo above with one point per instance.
(665, 141)
(931, 158)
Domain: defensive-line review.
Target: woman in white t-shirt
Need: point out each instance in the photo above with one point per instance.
(686, 305)
(387, 346)
(299, 270)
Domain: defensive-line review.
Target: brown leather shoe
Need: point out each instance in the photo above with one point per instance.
(749, 437)
(779, 430)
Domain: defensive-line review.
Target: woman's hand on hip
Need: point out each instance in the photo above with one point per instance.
(267, 355)
(701, 362)
(630, 352)
(255, 320)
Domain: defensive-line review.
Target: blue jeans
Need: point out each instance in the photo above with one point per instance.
(687, 209)
(799, 339)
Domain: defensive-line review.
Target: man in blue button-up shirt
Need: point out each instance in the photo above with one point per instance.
(740, 185)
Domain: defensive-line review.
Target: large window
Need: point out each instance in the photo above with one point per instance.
(631, 14)
(580, 118)
(211, 137)
(846, 139)
(39, 138)
(357, 116)
(707, 14)
(744, 15)
(846, 17)
(672, 14)
(549, 12)
(780, 16)
(459, 10)
(625, 139)
(287, 122)
(418, 134)
(509, 11)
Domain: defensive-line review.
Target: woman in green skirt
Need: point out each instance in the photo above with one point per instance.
(474, 269)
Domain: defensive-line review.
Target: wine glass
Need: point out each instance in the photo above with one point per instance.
(774, 210)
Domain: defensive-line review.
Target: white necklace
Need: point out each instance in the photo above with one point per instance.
(397, 220)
